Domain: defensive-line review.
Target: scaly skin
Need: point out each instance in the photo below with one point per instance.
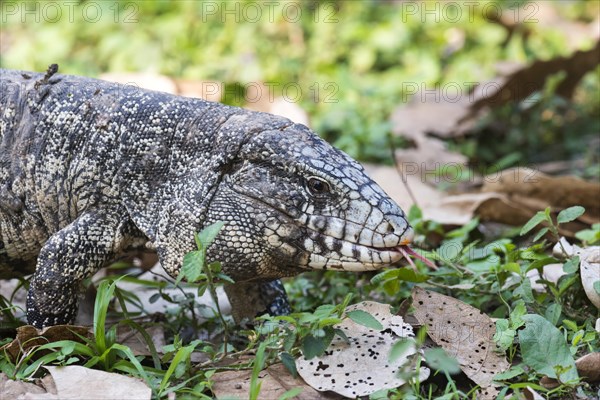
(90, 170)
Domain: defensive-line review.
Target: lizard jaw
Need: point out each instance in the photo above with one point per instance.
(344, 255)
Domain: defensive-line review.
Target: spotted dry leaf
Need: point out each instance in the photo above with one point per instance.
(361, 366)
(463, 331)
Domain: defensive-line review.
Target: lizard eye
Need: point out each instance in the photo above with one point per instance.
(318, 186)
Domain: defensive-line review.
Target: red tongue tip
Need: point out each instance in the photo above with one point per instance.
(407, 252)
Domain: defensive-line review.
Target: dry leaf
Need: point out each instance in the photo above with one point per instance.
(75, 382)
(463, 331)
(207, 90)
(290, 110)
(589, 269)
(588, 367)
(10, 389)
(28, 336)
(531, 394)
(148, 81)
(557, 192)
(488, 393)
(132, 338)
(524, 82)
(362, 366)
(260, 97)
(589, 266)
(275, 381)
(549, 383)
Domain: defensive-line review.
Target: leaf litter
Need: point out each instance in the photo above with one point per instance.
(463, 331)
(361, 365)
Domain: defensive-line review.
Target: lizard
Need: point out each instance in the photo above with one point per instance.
(91, 170)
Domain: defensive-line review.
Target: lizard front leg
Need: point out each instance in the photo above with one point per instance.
(68, 257)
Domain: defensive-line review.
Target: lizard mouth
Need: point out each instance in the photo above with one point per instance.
(339, 254)
(356, 257)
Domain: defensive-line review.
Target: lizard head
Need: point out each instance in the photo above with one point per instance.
(291, 202)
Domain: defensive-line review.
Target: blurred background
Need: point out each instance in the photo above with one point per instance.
(347, 64)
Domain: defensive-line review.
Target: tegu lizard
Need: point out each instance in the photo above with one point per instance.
(90, 170)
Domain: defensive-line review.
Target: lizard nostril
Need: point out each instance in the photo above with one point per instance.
(390, 228)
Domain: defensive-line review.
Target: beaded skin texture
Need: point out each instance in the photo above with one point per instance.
(92, 170)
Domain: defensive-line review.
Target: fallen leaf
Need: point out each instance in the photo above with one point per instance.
(28, 336)
(148, 81)
(524, 82)
(275, 381)
(11, 389)
(463, 331)
(531, 394)
(589, 266)
(207, 90)
(550, 272)
(76, 382)
(260, 97)
(133, 339)
(362, 366)
(289, 110)
(590, 273)
(557, 192)
(488, 393)
(588, 367)
(549, 383)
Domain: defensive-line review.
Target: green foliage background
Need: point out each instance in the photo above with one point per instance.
(351, 59)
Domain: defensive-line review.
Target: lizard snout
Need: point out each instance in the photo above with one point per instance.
(398, 232)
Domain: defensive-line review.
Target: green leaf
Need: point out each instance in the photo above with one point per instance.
(402, 274)
(504, 336)
(193, 264)
(570, 324)
(540, 233)
(414, 213)
(365, 319)
(259, 363)
(329, 321)
(313, 346)
(572, 265)
(570, 214)
(597, 287)
(290, 394)
(224, 278)
(516, 315)
(400, 348)
(539, 217)
(180, 358)
(544, 349)
(524, 290)
(341, 334)
(438, 359)
(509, 373)
(511, 267)
(590, 236)
(539, 263)
(553, 312)
(289, 363)
(208, 234)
